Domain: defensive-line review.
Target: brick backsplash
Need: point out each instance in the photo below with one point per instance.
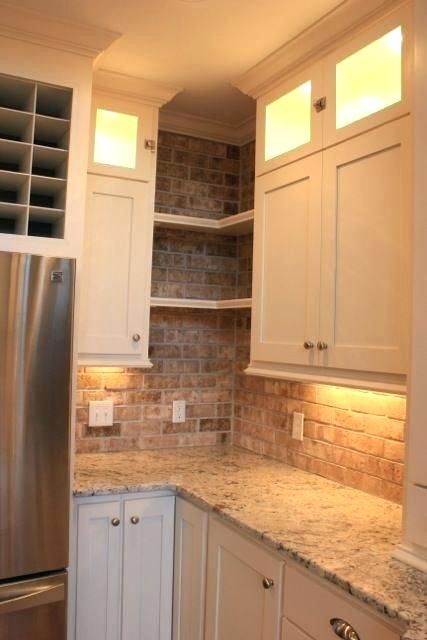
(197, 177)
(193, 355)
(354, 437)
(351, 436)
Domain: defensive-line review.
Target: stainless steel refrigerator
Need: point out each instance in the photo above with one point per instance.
(36, 321)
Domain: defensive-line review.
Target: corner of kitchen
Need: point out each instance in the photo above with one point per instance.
(212, 320)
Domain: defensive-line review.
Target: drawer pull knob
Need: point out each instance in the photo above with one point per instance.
(136, 337)
(115, 522)
(267, 583)
(322, 346)
(134, 519)
(343, 629)
(308, 344)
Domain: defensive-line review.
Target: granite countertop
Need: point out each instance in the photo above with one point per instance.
(339, 533)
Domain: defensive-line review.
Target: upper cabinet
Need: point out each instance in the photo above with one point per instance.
(337, 98)
(45, 93)
(123, 137)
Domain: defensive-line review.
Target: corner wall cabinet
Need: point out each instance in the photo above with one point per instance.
(116, 282)
(123, 568)
(334, 98)
(115, 290)
(333, 214)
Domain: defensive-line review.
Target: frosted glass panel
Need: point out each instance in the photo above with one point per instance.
(370, 79)
(288, 121)
(115, 139)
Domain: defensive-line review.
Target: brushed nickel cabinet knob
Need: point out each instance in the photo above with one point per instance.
(343, 629)
(267, 583)
(134, 519)
(322, 346)
(308, 344)
(115, 522)
(136, 337)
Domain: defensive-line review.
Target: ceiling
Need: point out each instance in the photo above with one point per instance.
(200, 46)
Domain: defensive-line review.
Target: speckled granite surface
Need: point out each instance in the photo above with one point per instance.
(339, 533)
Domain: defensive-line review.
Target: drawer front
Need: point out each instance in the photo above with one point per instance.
(290, 632)
(312, 605)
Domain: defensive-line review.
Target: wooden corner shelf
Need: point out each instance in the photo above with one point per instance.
(190, 303)
(236, 225)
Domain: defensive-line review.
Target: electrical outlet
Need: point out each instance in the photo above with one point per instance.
(298, 426)
(178, 411)
(101, 413)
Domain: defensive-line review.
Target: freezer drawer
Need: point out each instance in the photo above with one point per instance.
(34, 609)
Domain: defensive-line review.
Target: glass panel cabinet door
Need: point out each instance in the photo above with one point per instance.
(288, 124)
(123, 138)
(366, 80)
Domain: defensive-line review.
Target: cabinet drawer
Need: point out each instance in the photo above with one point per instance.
(290, 632)
(312, 605)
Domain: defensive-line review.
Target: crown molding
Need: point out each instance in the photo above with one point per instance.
(31, 26)
(132, 87)
(199, 127)
(310, 43)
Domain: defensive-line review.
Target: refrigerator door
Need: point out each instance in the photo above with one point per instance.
(36, 317)
(34, 609)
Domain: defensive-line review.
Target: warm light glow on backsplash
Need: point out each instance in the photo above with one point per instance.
(104, 369)
(370, 79)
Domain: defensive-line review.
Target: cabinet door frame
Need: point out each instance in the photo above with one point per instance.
(186, 512)
(145, 508)
(350, 357)
(265, 563)
(292, 353)
(401, 16)
(147, 115)
(314, 73)
(122, 350)
(106, 509)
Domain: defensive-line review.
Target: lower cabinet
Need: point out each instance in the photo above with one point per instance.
(191, 534)
(124, 568)
(243, 594)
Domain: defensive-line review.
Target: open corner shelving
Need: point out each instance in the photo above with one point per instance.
(190, 303)
(236, 225)
(34, 139)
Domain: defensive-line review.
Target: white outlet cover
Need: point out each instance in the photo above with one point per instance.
(298, 426)
(178, 411)
(101, 413)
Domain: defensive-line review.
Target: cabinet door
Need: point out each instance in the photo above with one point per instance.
(115, 296)
(287, 263)
(288, 124)
(238, 604)
(358, 100)
(148, 568)
(98, 579)
(365, 249)
(123, 136)
(191, 529)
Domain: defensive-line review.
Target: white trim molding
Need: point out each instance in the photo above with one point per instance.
(132, 87)
(35, 27)
(195, 303)
(236, 225)
(199, 127)
(310, 43)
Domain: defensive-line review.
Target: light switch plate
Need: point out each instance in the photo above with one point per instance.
(298, 426)
(178, 411)
(101, 413)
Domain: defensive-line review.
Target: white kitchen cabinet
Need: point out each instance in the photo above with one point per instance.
(286, 283)
(243, 588)
(333, 98)
(115, 287)
(122, 571)
(148, 568)
(331, 273)
(98, 571)
(191, 532)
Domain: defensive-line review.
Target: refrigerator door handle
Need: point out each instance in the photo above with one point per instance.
(23, 596)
